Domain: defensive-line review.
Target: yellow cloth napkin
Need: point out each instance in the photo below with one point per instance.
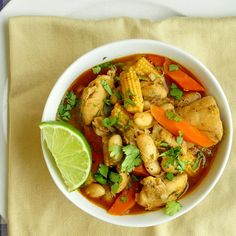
(40, 50)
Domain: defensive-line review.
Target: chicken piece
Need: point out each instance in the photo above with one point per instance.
(156, 192)
(92, 98)
(204, 114)
(160, 134)
(187, 99)
(152, 90)
(98, 127)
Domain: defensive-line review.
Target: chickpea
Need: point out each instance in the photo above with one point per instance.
(143, 120)
(95, 190)
(115, 140)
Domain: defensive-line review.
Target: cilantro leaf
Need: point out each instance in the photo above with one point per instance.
(103, 170)
(170, 176)
(179, 138)
(106, 86)
(107, 101)
(197, 161)
(110, 121)
(123, 199)
(173, 158)
(114, 177)
(96, 69)
(175, 92)
(128, 101)
(114, 188)
(164, 144)
(100, 179)
(173, 116)
(173, 67)
(68, 103)
(172, 207)
(132, 158)
(114, 150)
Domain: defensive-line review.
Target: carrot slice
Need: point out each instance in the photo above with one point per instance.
(156, 60)
(140, 171)
(190, 133)
(125, 201)
(186, 82)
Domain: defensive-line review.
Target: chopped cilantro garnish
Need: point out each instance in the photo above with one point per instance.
(173, 116)
(175, 92)
(179, 138)
(164, 144)
(173, 67)
(172, 207)
(143, 78)
(170, 176)
(114, 150)
(67, 104)
(120, 64)
(96, 69)
(159, 67)
(106, 86)
(123, 199)
(128, 101)
(103, 170)
(119, 95)
(107, 101)
(114, 188)
(110, 121)
(114, 177)
(132, 158)
(198, 159)
(173, 158)
(134, 178)
(100, 179)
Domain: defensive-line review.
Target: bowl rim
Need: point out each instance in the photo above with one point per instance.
(196, 62)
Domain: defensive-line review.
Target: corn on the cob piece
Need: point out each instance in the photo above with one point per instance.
(131, 89)
(144, 67)
(123, 118)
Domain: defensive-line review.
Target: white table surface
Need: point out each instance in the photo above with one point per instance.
(89, 9)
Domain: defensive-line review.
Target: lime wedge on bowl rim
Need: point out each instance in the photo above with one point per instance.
(70, 150)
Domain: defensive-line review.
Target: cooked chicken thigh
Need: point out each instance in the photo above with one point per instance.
(204, 114)
(156, 192)
(92, 98)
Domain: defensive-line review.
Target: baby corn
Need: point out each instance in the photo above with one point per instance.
(131, 89)
(144, 67)
(123, 118)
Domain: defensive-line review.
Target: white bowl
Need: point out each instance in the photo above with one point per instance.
(129, 47)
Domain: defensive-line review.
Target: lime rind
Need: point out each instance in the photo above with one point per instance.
(69, 148)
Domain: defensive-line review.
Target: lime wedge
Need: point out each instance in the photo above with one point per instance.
(70, 150)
